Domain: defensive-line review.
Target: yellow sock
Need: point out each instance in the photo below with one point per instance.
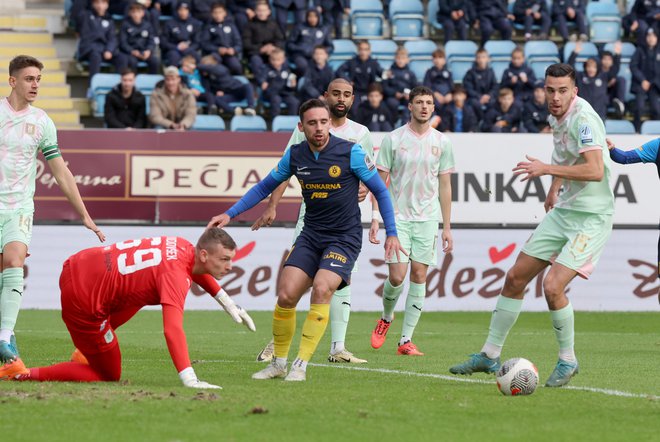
(284, 327)
(313, 329)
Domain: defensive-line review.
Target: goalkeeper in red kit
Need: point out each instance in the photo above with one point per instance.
(103, 287)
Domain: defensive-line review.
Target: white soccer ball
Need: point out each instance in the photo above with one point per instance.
(517, 377)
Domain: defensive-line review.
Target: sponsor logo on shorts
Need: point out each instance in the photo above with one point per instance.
(108, 337)
(334, 171)
(334, 264)
(336, 257)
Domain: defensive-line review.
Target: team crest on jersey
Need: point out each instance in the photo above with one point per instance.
(334, 171)
(435, 150)
(585, 133)
(30, 129)
(369, 162)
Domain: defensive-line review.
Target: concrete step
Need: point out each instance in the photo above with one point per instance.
(69, 117)
(35, 51)
(45, 91)
(23, 22)
(51, 104)
(83, 106)
(50, 64)
(26, 38)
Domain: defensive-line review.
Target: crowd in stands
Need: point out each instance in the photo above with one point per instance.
(215, 53)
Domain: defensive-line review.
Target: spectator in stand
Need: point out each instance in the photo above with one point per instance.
(304, 38)
(519, 77)
(221, 38)
(201, 9)
(610, 64)
(591, 82)
(374, 113)
(318, 76)
(261, 36)
(198, 85)
(282, 8)
(535, 112)
(438, 78)
(480, 84)
(136, 40)
(491, 15)
(242, 11)
(278, 84)
(453, 17)
(458, 116)
(166, 7)
(533, 12)
(125, 106)
(400, 81)
(645, 68)
(573, 11)
(225, 89)
(98, 40)
(152, 15)
(505, 115)
(644, 14)
(333, 13)
(172, 105)
(361, 71)
(180, 36)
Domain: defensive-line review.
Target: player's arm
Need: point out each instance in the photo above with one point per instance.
(237, 313)
(383, 165)
(444, 191)
(644, 154)
(592, 169)
(553, 194)
(376, 217)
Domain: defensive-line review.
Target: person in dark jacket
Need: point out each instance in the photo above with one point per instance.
(491, 15)
(645, 68)
(573, 11)
(241, 11)
(98, 39)
(591, 82)
(533, 12)
(221, 37)
(192, 77)
(535, 112)
(318, 76)
(136, 40)
(125, 106)
(374, 113)
(261, 36)
(282, 8)
(361, 71)
(201, 9)
(452, 15)
(480, 84)
(519, 77)
(439, 79)
(278, 84)
(180, 36)
(505, 115)
(225, 88)
(400, 81)
(458, 116)
(333, 13)
(643, 15)
(610, 63)
(304, 38)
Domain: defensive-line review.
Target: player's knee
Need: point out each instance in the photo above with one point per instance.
(552, 289)
(321, 290)
(286, 299)
(514, 281)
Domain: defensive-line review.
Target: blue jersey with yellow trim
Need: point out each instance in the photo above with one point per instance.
(329, 180)
(649, 153)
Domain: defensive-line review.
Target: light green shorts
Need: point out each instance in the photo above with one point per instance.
(420, 240)
(15, 226)
(571, 238)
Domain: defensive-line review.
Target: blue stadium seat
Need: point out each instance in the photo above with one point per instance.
(542, 50)
(499, 67)
(383, 52)
(146, 83)
(625, 72)
(407, 19)
(539, 67)
(460, 57)
(432, 14)
(627, 50)
(519, 26)
(619, 127)
(285, 123)
(604, 22)
(650, 127)
(99, 87)
(420, 49)
(243, 123)
(500, 50)
(343, 50)
(208, 123)
(367, 19)
(419, 68)
(588, 50)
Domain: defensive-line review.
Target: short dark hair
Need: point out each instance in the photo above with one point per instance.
(126, 71)
(23, 61)
(417, 91)
(214, 236)
(375, 87)
(321, 47)
(362, 42)
(606, 54)
(482, 50)
(215, 6)
(438, 53)
(504, 92)
(560, 70)
(311, 104)
(458, 89)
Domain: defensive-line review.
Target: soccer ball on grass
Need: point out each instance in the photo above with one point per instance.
(517, 377)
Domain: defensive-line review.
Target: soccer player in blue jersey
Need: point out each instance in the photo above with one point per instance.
(329, 170)
(646, 153)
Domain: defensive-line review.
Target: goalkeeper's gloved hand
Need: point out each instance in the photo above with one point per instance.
(236, 312)
(189, 379)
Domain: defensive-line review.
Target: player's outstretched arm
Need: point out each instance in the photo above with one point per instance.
(621, 156)
(268, 216)
(67, 183)
(591, 170)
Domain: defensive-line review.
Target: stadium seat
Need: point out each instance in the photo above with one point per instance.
(544, 50)
(242, 123)
(432, 14)
(383, 52)
(407, 19)
(500, 49)
(588, 50)
(285, 123)
(604, 22)
(208, 123)
(146, 83)
(419, 68)
(99, 87)
(539, 67)
(619, 127)
(420, 49)
(499, 67)
(460, 57)
(367, 19)
(627, 50)
(650, 127)
(343, 50)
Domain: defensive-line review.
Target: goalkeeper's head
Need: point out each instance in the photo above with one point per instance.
(214, 252)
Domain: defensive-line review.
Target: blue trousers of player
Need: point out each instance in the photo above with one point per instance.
(153, 63)
(245, 92)
(562, 24)
(652, 96)
(173, 57)
(529, 21)
(488, 27)
(334, 18)
(290, 101)
(460, 26)
(95, 58)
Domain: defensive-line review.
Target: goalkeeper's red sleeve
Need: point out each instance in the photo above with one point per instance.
(175, 336)
(208, 283)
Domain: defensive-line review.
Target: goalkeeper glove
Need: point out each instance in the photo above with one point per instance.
(236, 312)
(189, 379)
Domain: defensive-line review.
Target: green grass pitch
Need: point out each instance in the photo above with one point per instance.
(395, 399)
